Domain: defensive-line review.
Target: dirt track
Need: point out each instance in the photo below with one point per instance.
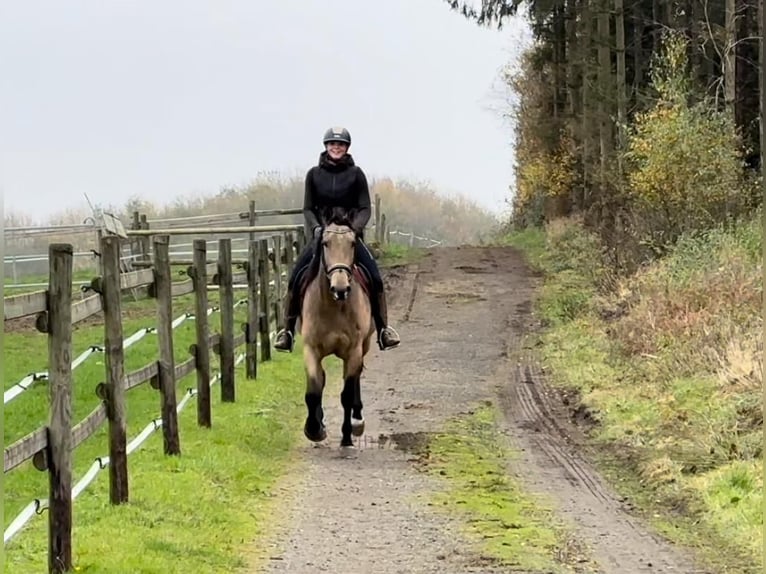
(461, 314)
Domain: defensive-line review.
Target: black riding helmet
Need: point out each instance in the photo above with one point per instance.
(337, 135)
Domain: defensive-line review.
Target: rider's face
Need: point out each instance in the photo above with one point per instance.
(336, 150)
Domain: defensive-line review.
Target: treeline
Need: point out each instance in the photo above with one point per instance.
(640, 116)
(409, 207)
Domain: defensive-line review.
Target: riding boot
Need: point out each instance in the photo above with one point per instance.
(285, 339)
(388, 338)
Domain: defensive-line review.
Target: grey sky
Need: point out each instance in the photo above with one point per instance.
(162, 99)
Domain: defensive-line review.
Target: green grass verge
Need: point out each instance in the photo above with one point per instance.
(671, 434)
(197, 512)
(395, 254)
(510, 526)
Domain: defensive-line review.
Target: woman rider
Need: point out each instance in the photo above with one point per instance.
(336, 182)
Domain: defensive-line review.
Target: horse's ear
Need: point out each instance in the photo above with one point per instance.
(324, 216)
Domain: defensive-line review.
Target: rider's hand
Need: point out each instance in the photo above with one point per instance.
(317, 232)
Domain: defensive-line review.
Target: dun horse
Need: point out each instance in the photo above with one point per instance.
(336, 319)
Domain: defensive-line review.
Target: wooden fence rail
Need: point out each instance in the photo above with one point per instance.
(50, 447)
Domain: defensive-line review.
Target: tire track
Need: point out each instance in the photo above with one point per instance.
(536, 411)
(463, 315)
(620, 544)
(413, 295)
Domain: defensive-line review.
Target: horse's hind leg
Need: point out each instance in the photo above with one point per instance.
(314, 428)
(350, 398)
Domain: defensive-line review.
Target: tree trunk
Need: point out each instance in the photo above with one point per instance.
(762, 83)
(622, 111)
(587, 91)
(605, 92)
(573, 79)
(638, 53)
(558, 62)
(729, 58)
(657, 26)
(701, 63)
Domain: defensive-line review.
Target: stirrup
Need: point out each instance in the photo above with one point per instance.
(290, 342)
(380, 339)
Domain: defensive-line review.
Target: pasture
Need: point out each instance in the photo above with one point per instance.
(142, 321)
(227, 462)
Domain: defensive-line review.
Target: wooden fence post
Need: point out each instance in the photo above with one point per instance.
(227, 320)
(111, 294)
(167, 370)
(135, 242)
(145, 239)
(201, 349)
(59, 330)
(382, 235)
(276, 261)
(377, 217)
(251, 327)
(290, 251)
(263, 274)
(299, 243)
(251, 217)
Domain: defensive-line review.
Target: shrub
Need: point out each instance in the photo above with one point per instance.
(685, 159)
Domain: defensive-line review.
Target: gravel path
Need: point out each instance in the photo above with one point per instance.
(461, 313)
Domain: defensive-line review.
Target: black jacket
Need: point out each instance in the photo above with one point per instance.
(336, 185)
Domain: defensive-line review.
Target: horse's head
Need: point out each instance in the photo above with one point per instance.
(338, 248)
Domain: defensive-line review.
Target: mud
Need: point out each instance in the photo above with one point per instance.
(462, 314)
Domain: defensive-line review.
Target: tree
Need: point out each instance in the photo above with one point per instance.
(588, 78)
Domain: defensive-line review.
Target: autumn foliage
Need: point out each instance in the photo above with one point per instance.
(685, 159)
(681, 169)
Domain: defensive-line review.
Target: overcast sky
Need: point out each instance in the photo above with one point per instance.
(165, 98)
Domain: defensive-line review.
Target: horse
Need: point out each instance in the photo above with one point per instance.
(336, 319)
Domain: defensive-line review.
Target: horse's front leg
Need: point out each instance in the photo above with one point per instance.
(351, 399)
(357, 419)
(314, 428)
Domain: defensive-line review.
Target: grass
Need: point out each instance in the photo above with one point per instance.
(511, 527)
(199, 511)
(668, 363)
(395, 254)
(26, 352)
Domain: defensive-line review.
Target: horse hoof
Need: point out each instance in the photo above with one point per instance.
(357, 427)
(318, 436)
(348, 451)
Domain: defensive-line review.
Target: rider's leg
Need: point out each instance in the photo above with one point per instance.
(285, 339)
(387, 336)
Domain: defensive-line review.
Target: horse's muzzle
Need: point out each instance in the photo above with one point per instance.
(340, 294)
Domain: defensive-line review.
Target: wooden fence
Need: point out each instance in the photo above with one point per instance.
(50, 447)
(271, 252)
(138, 251)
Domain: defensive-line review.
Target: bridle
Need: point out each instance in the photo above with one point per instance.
(338, 266)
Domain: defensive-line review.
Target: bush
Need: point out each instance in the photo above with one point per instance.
(706, 293)
(685, 159)
(544, 181)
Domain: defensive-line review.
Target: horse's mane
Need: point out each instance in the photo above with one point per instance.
(337, 216)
